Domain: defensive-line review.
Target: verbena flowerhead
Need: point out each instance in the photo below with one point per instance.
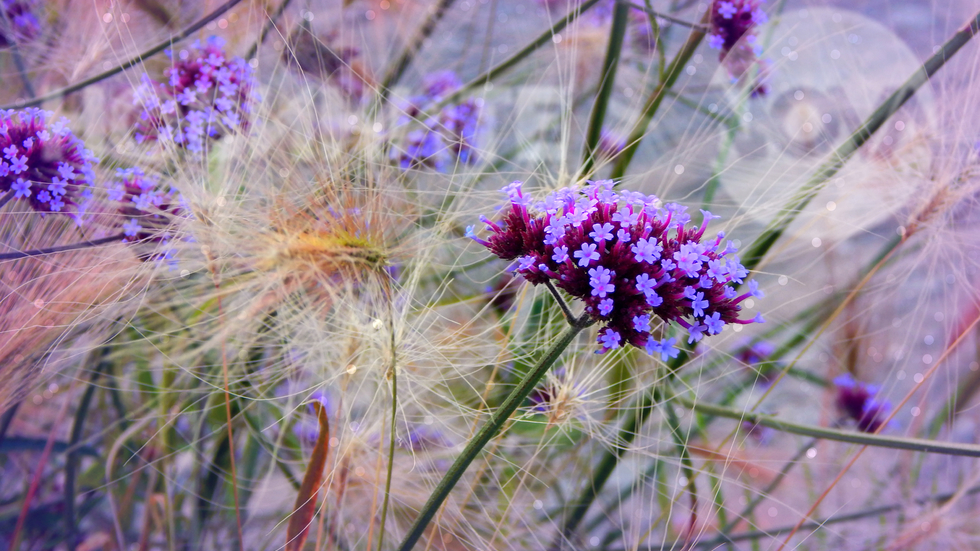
(445, 138)
(629, 257)
(206, 95)
(733, 25)
(43, 163)
(148, 212)
(18, 23)
(859, 402)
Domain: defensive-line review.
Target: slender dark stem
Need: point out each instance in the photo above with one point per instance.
(852, 437)
(569, 317)
(687, 466)
(6, 419)
(408, 54)
(836, 160)
(71, 464)
(497, 420)
(617, 33)
(129, 64)
(266, 29)
(772, 532)
(664, 16)
(64, 248)
(656, 97)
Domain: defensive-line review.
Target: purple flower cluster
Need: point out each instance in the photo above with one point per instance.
(628, 257)
(731, 21)
(859, 402)
(206, 95)
(43, 163)
(147, 212)
(18, 23)
(444, 139)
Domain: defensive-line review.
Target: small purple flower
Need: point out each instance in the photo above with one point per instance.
(610, 339)
(600, 281)
(605, 306)
(561, 254)
(726, 10)
(586, 254)
(647, 250)
(131, 228)
(601, 232)
(22, 188)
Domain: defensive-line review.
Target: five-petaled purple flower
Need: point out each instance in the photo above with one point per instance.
(632, 258)
(43, 163)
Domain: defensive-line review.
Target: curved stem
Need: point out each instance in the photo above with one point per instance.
(836, 160)
(129, 64)
(63, 248)
(656, 97)
(490, 429)
(617, 33)
(408, 54)
(851, 437)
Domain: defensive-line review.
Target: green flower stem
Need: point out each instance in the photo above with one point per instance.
(607, 79)
(852, 437)
(413, 47)
(656, 97)
(129, 64)
(508, 63)
(490, 429)
(938, 499)
(666, 17)
(64, 248)
(836, 160)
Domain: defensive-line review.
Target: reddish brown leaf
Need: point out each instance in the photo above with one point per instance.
(305, 507)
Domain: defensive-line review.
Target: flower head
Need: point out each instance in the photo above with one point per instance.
(445, 138)
(18, 23)
(731, 22)
(631, 260)
(43, 163)
(859, 402)
(147, 211)
(206, 94)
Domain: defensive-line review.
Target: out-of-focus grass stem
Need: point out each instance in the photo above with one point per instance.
(607, 79)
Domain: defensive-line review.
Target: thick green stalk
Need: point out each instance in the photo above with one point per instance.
(852, 437)
(508, 63)
(500, 417)
(842, 154)
(607, 79)
(656, 97)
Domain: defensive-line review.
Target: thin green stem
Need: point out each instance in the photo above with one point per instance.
(64, 248)
(607, 79)
(128, 64)
(521, 54)
(413, 47)
(78, 427)
(269, 25)
(851, 437)
(687, 467)
(836, 160)
(656, 98)
(497, 420)
(393, 373)
(666, 17)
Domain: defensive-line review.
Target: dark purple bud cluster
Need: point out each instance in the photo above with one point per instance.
(148, 212)
(628, 257)
(206, 95)
(43, 163)
(18, 23)
(859, 402)
(731, 21)
(444, 139)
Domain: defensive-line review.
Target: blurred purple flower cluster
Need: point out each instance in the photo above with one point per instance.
(43, 163)
(148, 212)
(206, 95)
(18, 22)
(859, 401)
(445, 138)
(733, 24)
(628, 257)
